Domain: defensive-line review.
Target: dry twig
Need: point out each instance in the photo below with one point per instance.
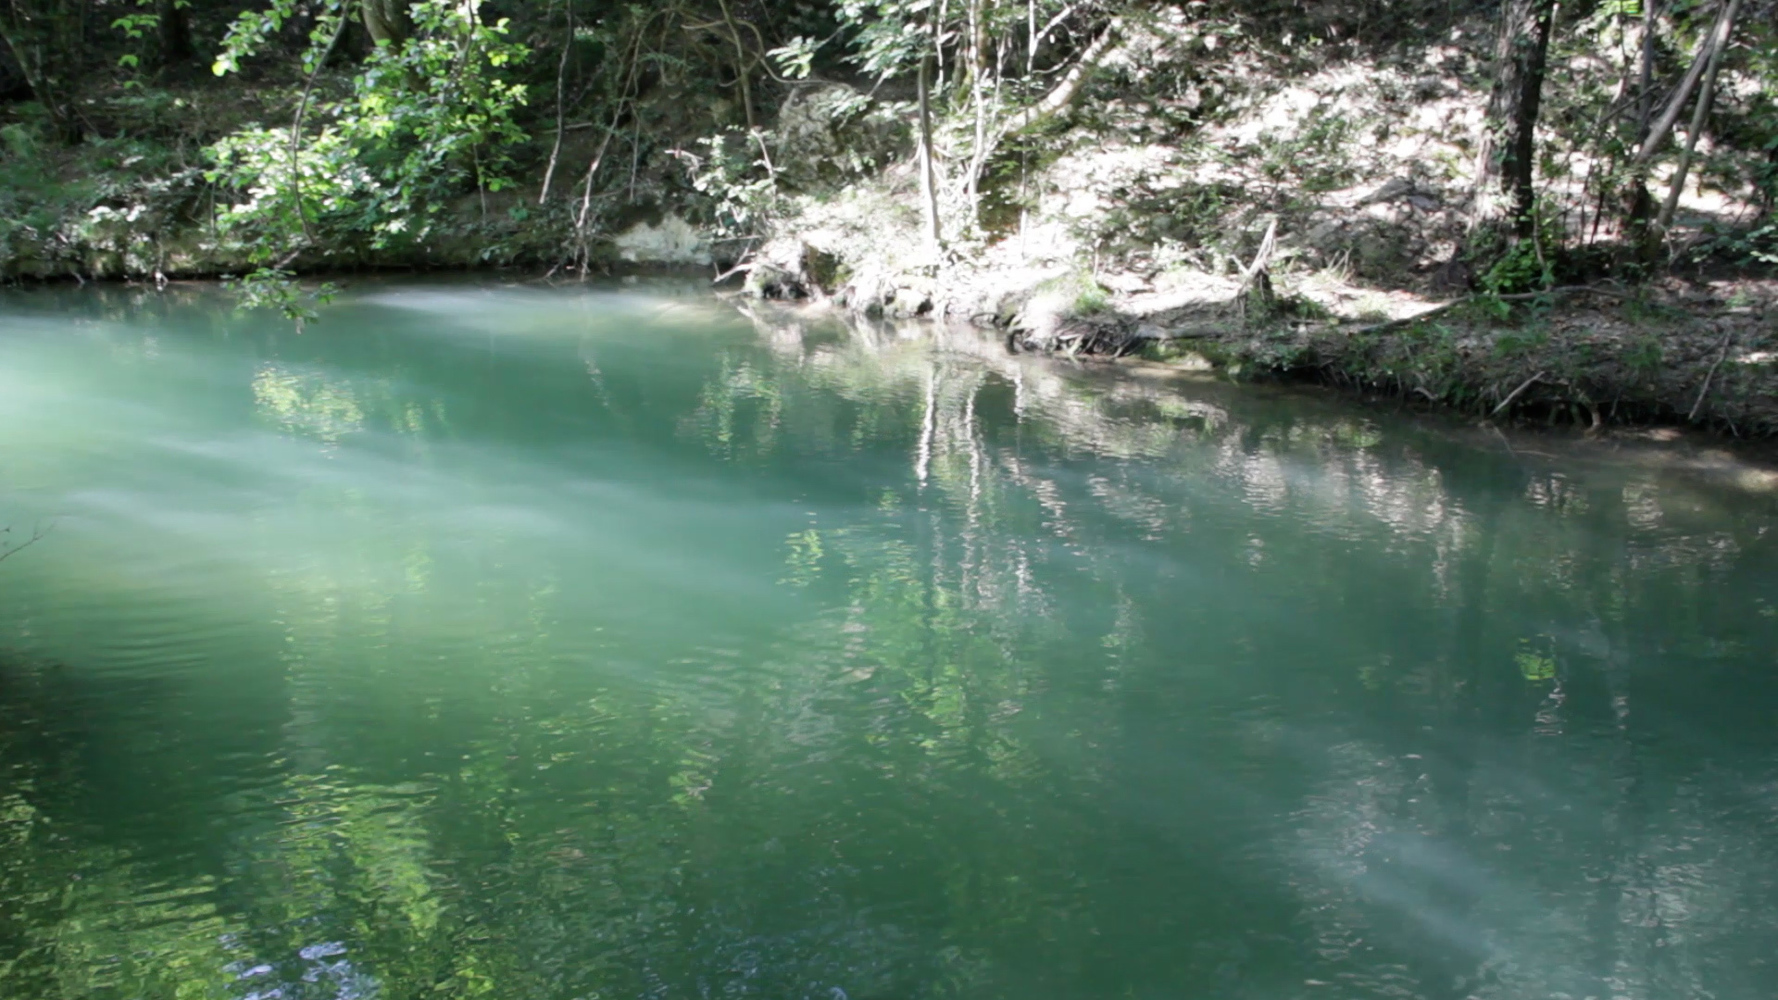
(37, 535)
(1727, 340)
(1516, 393)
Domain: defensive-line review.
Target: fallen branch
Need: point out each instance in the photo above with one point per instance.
(1725, 29)
(1516, 393)
(745, 266)
(1416, 318)
(1727, 340)
(37, 535)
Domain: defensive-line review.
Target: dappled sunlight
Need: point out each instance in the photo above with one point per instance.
(306, 405)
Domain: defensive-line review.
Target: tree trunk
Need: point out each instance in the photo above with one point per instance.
(978, 71)
(175, 34)
(743, 66)
(387, 21)
(1637, 202)
(28, 39)
(555, 152)
(1506, 158)
(928, 166)
(1724, 30)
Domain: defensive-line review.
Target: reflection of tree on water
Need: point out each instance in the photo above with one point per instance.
(1106, 685)
(1434, 844)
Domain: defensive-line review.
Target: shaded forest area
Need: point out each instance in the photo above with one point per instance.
(1267, 185)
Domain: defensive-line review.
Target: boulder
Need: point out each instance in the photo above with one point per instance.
(670, 241)
(828, 133)
(792, 268)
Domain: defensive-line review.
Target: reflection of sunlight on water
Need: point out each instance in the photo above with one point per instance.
(1642, 505)
(307, 404)
(1328, 473)
(516, 311)
(849, 663)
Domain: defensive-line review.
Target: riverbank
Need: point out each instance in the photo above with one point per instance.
(1700, 353)
(1241, 206)
(1673, 353)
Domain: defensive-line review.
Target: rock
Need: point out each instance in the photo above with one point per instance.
(1125, 283)
(822, 269)
(1055, 304)
(672, 241)
(790, 268)
(828, 133)
(910, 302)
(1454, 275)
(1394, 188)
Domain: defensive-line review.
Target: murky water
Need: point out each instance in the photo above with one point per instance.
(518, 643)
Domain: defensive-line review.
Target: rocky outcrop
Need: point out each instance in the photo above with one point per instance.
(670, 241)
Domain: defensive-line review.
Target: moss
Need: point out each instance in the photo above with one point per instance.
(1078, 294)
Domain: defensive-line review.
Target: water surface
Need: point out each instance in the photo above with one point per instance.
(512, 642)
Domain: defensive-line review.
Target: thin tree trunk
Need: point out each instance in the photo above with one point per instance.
(1663, 126)
(555, 152)
(1639, 205)
(1701, 115)
(978, 70)
(387, 21)
(1637, 202)
(938, 45)
(1505, 198)
(743, 67)
(27, 44)
(928, 168)
(1651, 10)
(628, 75)
(296, 126)
(1062, 95)
(175, 34)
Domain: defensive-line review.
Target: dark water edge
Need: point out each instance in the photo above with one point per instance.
(1578, 359)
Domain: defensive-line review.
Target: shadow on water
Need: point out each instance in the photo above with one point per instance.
(516, 643)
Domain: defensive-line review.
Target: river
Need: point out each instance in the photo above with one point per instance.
(502, 641)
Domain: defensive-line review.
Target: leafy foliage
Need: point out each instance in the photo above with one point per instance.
(424, 121)
(738, 178)
(279, 290)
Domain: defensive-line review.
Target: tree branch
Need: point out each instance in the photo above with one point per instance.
(1670, 115)
(1068, 88)
(38, 533)
(296, 126)
(1701, 115)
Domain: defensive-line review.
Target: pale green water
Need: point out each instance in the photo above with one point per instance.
(517, 643)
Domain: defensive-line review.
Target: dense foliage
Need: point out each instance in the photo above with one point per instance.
(298, 132)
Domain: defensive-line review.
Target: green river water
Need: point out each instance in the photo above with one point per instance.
(508, 642)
